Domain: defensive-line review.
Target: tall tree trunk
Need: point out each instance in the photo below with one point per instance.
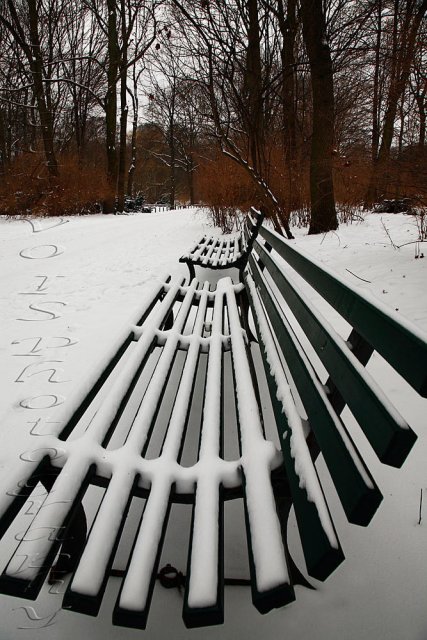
(45, 114)
(3, 152)
(255, 125)
(124, 113)
(402, 124)
(421, 102)
(111, 105)
(288, 28)
(376, 95)
(253, 87)
(132, 168)
(135, 105)
(172, 166)
(323, 213)
(190, 176)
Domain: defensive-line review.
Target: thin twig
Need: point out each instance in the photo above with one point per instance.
(363, 279)
(411, 242)
(334, 232)
(421, 506)
(389, 236)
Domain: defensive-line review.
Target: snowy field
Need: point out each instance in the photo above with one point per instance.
(68, 286)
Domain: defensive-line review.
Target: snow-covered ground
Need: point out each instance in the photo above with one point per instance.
(67, 287)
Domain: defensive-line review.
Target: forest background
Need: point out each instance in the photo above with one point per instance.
(303, 107)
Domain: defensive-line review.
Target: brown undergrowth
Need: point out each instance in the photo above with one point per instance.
(26, 188)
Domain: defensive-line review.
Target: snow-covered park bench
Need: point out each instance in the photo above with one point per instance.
(192, 409)
(225, 251)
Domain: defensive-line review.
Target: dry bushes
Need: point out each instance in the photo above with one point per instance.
(26, 189)
(226, 188)
(405, 176)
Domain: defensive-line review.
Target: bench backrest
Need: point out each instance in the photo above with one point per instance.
(400, 342)
(291, 331)
(251, 227)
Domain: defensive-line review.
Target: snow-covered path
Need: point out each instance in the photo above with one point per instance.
(65, 291)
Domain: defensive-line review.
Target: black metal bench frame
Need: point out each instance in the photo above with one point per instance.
(210, 322)
(225, 251)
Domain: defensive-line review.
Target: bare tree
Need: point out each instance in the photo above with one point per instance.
(323, 213)
(23, 23)
(232, 71)
(407, 20)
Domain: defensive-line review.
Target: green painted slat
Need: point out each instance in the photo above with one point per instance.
(213, 615)
(360, 497)
(321, 557)
(283, 593)
(389, 435)
(403, 349)
(265, 601)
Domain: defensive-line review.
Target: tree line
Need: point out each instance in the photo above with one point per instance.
(288, 104)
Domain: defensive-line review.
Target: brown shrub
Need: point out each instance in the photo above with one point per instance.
(26, 189)
(226, 188)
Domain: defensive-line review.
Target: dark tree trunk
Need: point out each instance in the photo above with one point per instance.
(288, 28)
(172, 168)
(376, 93)
(323, 213)
(45, 114)
(135, 104)
(111, 105)
(131, 172)
(3, 152)
(123, 115)
(253, 87)
(190, 174)
(422, 114)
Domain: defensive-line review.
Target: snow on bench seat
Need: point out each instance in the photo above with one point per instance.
(223, 252)
(195, 320)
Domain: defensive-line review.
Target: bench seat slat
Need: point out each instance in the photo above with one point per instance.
(133, 601)
(204, 593)
(89, 581)
(264, 535)
(31, 561)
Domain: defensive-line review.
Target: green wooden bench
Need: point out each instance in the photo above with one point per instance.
(225, 251)
(167, 385)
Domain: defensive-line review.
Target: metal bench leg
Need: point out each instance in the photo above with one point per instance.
(192, 270)
(284, 504)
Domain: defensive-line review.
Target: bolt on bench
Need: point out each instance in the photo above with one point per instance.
(198, 336)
